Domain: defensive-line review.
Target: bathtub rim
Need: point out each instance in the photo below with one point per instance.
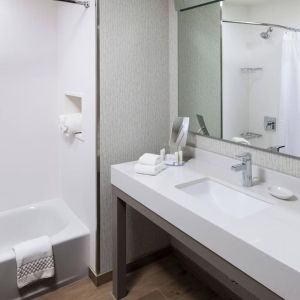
(74, 228)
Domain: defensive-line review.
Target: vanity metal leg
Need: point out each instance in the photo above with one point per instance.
(119, 248)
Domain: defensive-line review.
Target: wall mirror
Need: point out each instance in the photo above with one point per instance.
(239, 72)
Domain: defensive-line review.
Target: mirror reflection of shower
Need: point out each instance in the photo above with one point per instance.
(260, 95)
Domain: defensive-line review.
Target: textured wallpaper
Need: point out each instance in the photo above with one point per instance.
(134, 103)
(280, 163)
(173, 57)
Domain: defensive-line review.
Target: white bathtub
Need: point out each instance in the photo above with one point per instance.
(69, 237)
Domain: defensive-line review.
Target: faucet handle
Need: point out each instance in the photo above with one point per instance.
(244, 156)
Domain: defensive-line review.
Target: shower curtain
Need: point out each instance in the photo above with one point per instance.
(289, 111)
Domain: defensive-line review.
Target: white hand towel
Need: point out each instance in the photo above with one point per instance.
(240, 140)
(149, 170)
(70, 124)
(150, 159)
(35, 261)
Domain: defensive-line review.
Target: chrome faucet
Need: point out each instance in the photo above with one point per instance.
(245, 167)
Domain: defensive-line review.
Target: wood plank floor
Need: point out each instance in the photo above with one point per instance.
(162, 280)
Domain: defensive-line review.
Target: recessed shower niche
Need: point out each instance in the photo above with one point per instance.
(71, 120)
(72, 103)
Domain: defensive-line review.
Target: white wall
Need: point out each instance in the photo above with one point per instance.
(29, 160)
(76, 74)
(235, 84)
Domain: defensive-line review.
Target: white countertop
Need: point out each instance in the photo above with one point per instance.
(265, 245)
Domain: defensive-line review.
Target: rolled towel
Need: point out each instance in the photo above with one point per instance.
(149, 170)
(240, 140)
(71, 124)
(35, 261)
(150, 159)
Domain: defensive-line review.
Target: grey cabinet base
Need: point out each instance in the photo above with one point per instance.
(250, 288)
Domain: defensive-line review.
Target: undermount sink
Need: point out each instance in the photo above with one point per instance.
(229, 201)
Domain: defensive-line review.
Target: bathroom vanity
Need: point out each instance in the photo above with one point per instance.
(245, 233)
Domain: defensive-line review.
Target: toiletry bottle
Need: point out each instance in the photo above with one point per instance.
(176, 158)
(163, 154)
(180, 154)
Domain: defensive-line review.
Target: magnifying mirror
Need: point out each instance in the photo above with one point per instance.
(179, 134)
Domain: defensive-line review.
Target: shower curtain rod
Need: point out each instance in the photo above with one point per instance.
(263, 24)
(86, 4)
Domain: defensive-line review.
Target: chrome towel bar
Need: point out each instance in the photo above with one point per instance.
(262, 24)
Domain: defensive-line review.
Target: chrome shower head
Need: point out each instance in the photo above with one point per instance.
(267, 34)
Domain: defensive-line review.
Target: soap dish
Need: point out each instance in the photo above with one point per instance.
(280, 192)
(173, 164)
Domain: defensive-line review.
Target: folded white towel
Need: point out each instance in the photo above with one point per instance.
(149, 170)
(35, 260)
(70, 124)
(241, 140)
(150, 159)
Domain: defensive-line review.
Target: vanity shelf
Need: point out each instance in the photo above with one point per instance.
(250, 135)
(250, 70)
